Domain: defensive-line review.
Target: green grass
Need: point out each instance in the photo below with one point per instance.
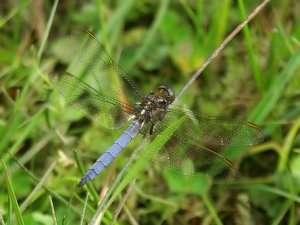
(46, 145)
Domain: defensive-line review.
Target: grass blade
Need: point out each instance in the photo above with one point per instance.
(269, 101)
(12, 197)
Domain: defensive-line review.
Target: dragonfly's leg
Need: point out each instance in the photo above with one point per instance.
(152, 129)
(162, 115)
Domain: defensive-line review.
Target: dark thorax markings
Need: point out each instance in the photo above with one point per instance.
(154, 106)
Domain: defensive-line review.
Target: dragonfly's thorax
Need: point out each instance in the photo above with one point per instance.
(154, 106)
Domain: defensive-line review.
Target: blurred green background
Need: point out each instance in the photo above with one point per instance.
(256, 77)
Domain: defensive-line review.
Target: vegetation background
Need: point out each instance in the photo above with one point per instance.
(256, 77)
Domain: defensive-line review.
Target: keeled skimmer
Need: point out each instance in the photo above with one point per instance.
(103, 92)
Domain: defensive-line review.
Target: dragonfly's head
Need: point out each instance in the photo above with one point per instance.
(165, 92)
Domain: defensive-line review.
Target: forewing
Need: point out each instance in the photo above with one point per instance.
(92, 62)
(94, 83)
(213, 131)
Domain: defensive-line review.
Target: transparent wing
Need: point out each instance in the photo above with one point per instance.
(188, 158)
(196, 145)
(213, 131)
(95, 84)
(104, 110)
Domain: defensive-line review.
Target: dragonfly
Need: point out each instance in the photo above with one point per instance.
(96, 85)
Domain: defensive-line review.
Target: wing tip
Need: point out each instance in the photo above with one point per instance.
(253, 125)
(78, 32)
(259, 137)
(59, 75)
